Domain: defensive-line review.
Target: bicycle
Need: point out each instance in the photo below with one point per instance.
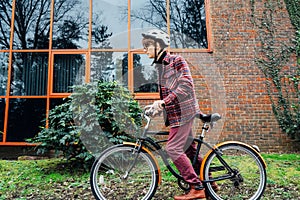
(131, 171)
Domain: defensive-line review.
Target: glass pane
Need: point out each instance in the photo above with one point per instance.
(70, 26)
(110, 24)
(144, 75)
(2, 112)
(188, 24)
(146, 15)
(3, 73)
(32, 24)
(109, 66)
(55, 102)
(68, 70)
(25, 118)
(5, 16)
(29, 74)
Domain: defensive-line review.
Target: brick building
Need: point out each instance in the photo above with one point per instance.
(36, 72)
(236, 77)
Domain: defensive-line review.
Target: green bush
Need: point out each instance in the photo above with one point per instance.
(95, 116)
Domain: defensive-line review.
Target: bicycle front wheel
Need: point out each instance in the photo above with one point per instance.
(122, 173)
(246, 181)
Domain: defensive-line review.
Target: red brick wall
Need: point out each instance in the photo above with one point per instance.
(229, 82)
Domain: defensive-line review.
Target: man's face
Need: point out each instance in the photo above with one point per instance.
(150, 50)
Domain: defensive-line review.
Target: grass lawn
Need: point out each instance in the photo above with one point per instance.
(56, 179)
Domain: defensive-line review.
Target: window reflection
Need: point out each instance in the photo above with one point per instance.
(29, 74)
(68, 70)
(113, 66)
(146, 15)
(32, 24)
(56, 102)
(188, 24)
(108, 66)
(5, 16)
(3, 73)
(144, 75)
(187, 21)
(109, 54)
(109, 24)
(24, 118)
(2, 111)
(70, 25)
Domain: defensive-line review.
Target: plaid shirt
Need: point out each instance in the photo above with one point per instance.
(177, 90)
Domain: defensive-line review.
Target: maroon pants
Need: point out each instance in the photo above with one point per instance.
(181, 149)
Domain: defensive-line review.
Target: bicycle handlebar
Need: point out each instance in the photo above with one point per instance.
(205, 118)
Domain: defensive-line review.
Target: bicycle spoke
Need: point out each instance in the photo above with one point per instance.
(111, 178)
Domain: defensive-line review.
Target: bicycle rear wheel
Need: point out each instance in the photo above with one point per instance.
(119, 174)
(250, 177)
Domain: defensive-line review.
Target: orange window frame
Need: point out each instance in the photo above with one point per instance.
(51, 70)
(139, 95)
(87, 52)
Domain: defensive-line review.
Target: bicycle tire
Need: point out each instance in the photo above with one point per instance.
(250, 183)
(108, 171)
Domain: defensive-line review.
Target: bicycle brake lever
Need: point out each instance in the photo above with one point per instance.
(148, 110)
(214, 118)
(212, 124)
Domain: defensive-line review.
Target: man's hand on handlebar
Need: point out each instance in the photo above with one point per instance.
(155, 109)
(159, 105)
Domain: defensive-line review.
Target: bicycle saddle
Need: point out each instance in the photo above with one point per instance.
(209, 117)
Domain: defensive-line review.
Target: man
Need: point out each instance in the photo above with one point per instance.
(178, 99)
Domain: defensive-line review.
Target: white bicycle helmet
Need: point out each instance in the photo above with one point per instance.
(158, 35)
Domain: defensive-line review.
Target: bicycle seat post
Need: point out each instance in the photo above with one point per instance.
(205, 127)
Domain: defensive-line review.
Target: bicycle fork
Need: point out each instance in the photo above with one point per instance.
(136, 151)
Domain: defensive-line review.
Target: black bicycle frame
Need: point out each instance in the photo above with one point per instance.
(164, 156)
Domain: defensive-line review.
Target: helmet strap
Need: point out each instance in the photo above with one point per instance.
(156, 54)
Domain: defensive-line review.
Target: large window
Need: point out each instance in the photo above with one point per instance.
(47, 46)
(185, 20)
(5, 16)
(188, 24)
(109, 22)
(108, 66)
(2, 111)
(31, 23)
(25, 118)
(29, 74)
(3, 73)
(144, 74)
(70, 24)
(68, 70)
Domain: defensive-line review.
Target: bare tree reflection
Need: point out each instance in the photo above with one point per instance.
(187, 21)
